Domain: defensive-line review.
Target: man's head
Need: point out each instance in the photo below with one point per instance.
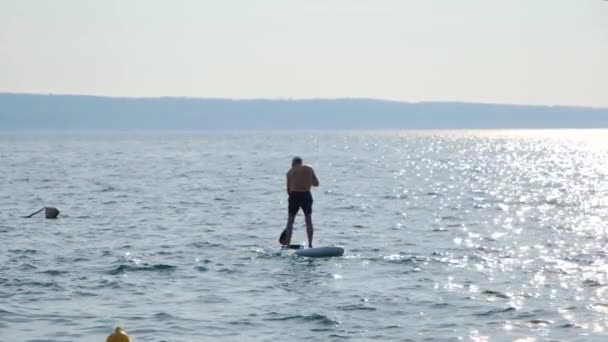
(296, 161)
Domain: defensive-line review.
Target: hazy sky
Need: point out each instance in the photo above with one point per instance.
(507, 51)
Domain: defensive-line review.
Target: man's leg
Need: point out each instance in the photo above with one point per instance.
(288, 230)
(309, 228)
(292, 211)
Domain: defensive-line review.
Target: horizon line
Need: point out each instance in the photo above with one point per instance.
(295, 99)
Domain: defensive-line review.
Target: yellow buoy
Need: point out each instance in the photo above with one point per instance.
(118, 336)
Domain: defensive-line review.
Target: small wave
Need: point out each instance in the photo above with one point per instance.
(394, 197)
(25, 267)
(214, 299)
(591, 283)
(205, 244)
(496, 294)
(450, 218)
(541, 322)
(319, 318)
(141, 268)
(245, 322)
(23, 251)
(401, 259)
(163, 316)
(356, 307)
(8, 313)
(348, 207)
(496, 311)
(599, 307)
(32, 284)
(54, 272)
(108, 284)
(227, 270)
(344, 337)
(80, 260)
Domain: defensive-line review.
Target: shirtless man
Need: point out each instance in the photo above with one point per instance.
(300, 178)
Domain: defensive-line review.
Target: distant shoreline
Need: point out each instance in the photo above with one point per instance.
(296, 99)
(35, 112)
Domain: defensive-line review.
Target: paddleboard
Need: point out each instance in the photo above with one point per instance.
(321, 252)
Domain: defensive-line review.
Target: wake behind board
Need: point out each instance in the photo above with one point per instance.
(321, 252)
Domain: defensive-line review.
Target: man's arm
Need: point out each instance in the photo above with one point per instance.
(287, 183)
(315, 181)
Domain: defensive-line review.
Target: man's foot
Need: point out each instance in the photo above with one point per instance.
(292, 246)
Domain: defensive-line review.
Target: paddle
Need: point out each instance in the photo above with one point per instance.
(283, 242)
(283, 237)
(32, 214)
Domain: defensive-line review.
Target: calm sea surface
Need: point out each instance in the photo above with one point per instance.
(449, 236)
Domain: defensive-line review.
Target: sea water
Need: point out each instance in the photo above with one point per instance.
(449, 236)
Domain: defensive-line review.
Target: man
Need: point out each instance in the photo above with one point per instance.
(300, 178)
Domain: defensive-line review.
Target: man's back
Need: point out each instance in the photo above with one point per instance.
(301, 178)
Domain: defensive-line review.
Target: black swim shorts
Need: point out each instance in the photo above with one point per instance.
(299, 200)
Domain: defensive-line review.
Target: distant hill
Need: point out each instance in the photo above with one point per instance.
(76, 112)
